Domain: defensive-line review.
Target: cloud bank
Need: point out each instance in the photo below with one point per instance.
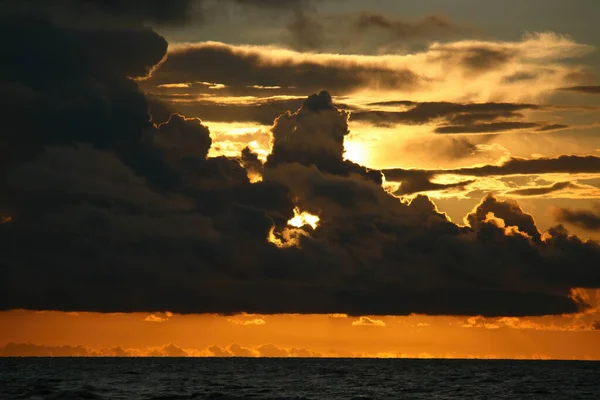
(106, 210)
(473, 71)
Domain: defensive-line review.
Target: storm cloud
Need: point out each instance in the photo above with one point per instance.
(514, 166)
(433, 72)
(242, 68)
(106, 210)
(584, 219)
(73, 12)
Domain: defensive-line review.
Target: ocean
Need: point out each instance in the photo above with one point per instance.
(238, 378)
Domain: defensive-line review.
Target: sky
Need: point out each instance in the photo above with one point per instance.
(300, 178)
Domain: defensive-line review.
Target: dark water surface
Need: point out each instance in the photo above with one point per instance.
(168, 378)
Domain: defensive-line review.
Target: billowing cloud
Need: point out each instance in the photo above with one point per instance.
(241, 68)
(196, 235)
(584, 219)
(474, 71)
(447, 117)
(509, 212)
(261, 110)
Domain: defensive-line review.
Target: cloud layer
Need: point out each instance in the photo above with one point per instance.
(107, 210)
(475, 71)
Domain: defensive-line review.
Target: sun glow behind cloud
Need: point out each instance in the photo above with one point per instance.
(303, 218)
(388, 108)
(356, 151)
(290, 236)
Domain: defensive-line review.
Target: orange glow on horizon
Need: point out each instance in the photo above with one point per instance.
(285, 335)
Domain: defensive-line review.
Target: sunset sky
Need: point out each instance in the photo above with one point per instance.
(300, 178)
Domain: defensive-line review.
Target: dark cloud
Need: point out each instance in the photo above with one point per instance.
(305, 29)
(402, 29)
(111, 212)
(75, 11)
(514, 166)
(462, 117)
(185, 136)
(361, 226)
(456, 117)
(597, 325)
(240, 69)
(483, 58)
(476, 58)
(539, 191)
(509, 211)
(308, 27)
(262, 111)
(315, 136)
(307, 33)
(275, 4)
(583, 89)
(584, 219)
(520, 77)
(521, 166)
(551, 127)
(416, 181)
(251, 162)
(494, 127)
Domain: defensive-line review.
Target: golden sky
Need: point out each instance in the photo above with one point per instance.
(301, 178)
(161, 334)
